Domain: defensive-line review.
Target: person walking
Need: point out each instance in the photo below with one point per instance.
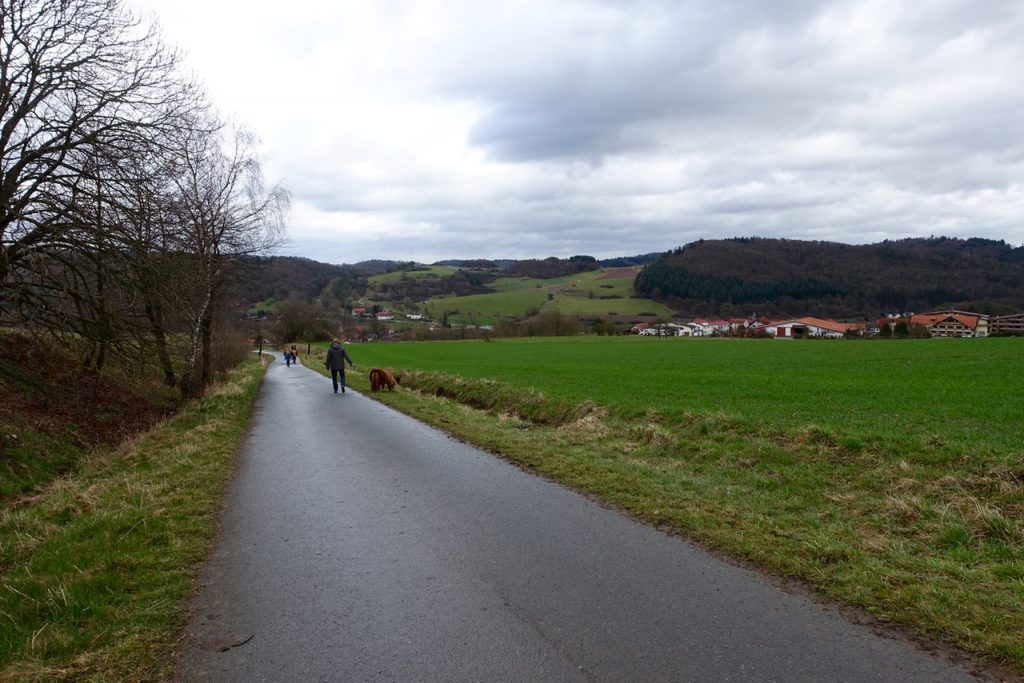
(295, 354)
(337, 356)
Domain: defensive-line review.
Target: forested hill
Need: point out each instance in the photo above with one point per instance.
(282, 278)
(790, 277)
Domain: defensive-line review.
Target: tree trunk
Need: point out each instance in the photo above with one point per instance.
(206, 328)
(192, 382)
(155, 315)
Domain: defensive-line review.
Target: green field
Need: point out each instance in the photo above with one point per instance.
(584, 295)
(487, 308)
(887, 475)
(395, 276)
(969, 391)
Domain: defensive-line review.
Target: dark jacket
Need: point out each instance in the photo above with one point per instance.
(337, 356)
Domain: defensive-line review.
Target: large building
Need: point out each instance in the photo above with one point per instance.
(1007, 324)
(803, 328)
(952, 323)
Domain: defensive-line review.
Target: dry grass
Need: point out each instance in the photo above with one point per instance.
(94, 568)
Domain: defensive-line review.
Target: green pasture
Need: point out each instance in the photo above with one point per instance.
(887, 475)
(267, 306)
(395, 276)
(969, 390)
(488, 307)
(590, 295)
(578, 295)
(603, 287)
(515, 284)
(572, 304)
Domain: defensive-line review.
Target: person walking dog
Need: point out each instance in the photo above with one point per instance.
(337, 356)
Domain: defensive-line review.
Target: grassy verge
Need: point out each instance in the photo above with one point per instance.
(50, 421)
(923, 527)
(94, 569)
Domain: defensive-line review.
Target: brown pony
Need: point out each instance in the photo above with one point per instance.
(380, 378)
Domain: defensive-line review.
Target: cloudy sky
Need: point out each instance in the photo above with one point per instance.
(430, 129)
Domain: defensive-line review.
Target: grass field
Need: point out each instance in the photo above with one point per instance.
(395, 276)
(488, 308)
(968, 391)
(95, 568)
(887, 475)
(578, 295)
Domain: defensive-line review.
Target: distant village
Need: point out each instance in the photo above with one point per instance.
(936, 324)
(948, 323)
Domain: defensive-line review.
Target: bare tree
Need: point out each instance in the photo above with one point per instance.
(76, 77)
(224, 212)
(106, 272)
(123, 203)
(300, 320)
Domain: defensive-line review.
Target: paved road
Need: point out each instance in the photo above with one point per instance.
(360, 545)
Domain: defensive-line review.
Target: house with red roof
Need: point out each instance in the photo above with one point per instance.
(952, 323)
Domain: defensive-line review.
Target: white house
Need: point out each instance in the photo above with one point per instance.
(675, 330)
(705, 327)
(803, 328)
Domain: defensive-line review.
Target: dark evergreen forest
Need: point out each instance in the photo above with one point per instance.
(790, 277)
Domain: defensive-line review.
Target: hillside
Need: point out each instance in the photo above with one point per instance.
(51, 413)
(596, 294)
(280, 278)
(728, 278)
(790, 277)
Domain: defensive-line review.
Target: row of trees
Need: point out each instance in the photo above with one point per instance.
(125, 202)
(552, 266)
(460, 283)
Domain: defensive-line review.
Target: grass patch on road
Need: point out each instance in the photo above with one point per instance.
(94, 569)
(886, 475)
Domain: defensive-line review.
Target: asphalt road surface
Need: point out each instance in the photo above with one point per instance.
(360, 545)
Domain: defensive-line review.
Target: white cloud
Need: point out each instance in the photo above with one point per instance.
(433, 129)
